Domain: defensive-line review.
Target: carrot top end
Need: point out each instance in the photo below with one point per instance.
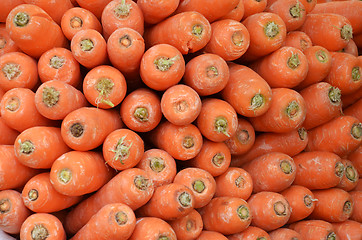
(50, 96)
(76, 130)
(212, 72)
(261, 238)
(157, 164)
(122, 10)
(198, 186)
(185, 199)
(122, 150)
(292, 109)
(125, 41)
(33, 194)
(280, 208)
(339, 169)
(356, 131)
(13, 104)
(86, 45)
(237, 38)
(21, 19)
(257, 101)
(218, 159)
(121, 218)
(5, 205)
(243, 212)
(294, 61)
(190, 224)
(141, 114)
(141, 182)
(76, 22)
(347, 207)
(321, 56)
(239, 182)
(181, 106)
(243, 136)
(302, 132)
(197, 30)
(296, 11)
(347, 32)
(11, 70)
(351, 173)
(271, 29)
(39, 232)
(163, 238)
(331, 236)
(188, 142)
(356, 74)
(334, 95)
(308, 201)
(26, 147)
(64, 175)
(286, 167)
(221, 125)
(164, 63)
(104, 87)
(56, 62)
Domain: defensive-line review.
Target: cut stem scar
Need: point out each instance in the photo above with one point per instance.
(334, 95)
(26, 147)
(122, 10)
(351, 173)
(121, 218)
(13, 104)
(50, 96)
(212, 72)
(11, 71)
(302, 132)
(57, 62)
(188, 142)
(321, 56)
(181, 106)
(76, 22)
(293, 62)
(221, 126)
(257, 101)
(141, 114)
(21, 19)
(271, 29)
(237, 38)
(121, 150)
(104, 87)
(157, 164)
(197, 30)
(125, 41)
(347, 207)
(86, 45)
(243, 136)
(64, 175)
(286, 167)
(39, 232)
(190, 224)
(161, 237)
(5, 205)
(280, 208)
(296, 11)
(239, 182)
(164, 63)
(218, 159)
(356, 130)
(346, 32)
(339, 169)
(308, 201)
(185, 199)
(33, 194)
(141, 182)
(356, 74)
(198, 186)
(331, 236)
(303, 44)
(292, 109)
(77, 130)
(243, 212)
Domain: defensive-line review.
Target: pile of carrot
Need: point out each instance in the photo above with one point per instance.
(188, 120)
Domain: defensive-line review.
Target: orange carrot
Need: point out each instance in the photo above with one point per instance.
(356, 158)
(156, 11)
(207, 74)
(298, 39)
(341, 135)
(359, 186)
(205, 235)
(357, 204)
(59, 64)
(350, 177)
(348, 230)
(351, 48)
(284, 233)
(6, 6)
(252, 7)
(188, 227)
(187, 31)
(52, 99)
(42, 226)
(12, 211)
(85, 129)
(141, 110)
(19, 112)
(237, 13)
(6, 43)
(270, 210)
(152, 228)
(287, 112)
(39, 195)
(8, 135)
(251, 233)
(314, 229)
(77, 19)
(309, 5)
(349, 99)
(95, 6)
(33, 22)
(244, 138)
(255, 90)
(301, 200)
(130, 186)
(17, 70)
(318, 170)
(229, 39)
(159, 165)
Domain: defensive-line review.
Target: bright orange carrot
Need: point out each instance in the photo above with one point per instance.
(350, 177)
(6, 43)
(269, 210)
(284, 233)
(33, 22)
(251, 233)
(252, 7)
(298, 39)
(85, 129)
(159, 165)
(237, 13)
(188, 227)
(19, 112)
(207, 74)
(255, 90)
(234, 182)
(141, 110)
(359, 186)
(301, 200)
(357, 204)
(77, 19)
(53, 98)
(111, 222)
(244, 138)
(130, 186)
(318, 170)
(205, 235)
(349, 99)
(348, 230)
(156, 11)
(59, 64)
(351, 48)
(229, 39)
(95, 6)
(6, 6)
(12, 211)
(309, 5)
(89, 48)
(341, 135)
(287, 112)
(314, 229)
(356, 158)
(187, 31)
(152, 228)
(17, 70)
(8, 135)
(169, 202)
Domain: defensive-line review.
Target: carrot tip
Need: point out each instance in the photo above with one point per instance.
(197, 30)
(198, 186)
(356, 131)
(237, 38)
(39, 232)
(164, 63)
(121, 218)
(26, 147)
(271, 29)
(188, 142)
(86, 45)
(122, 10)
(218, 159)
(212, 72)
(356, 74)
(221, 126)
(293, 62)
(334, 95)
(141, 114)
(302, 132)
(286, 167)
(57, 62)
(64, 175)
(13, 104)
(125, 41)
(21, 19)
(331, 236)
(257, 101)
(280, 208)
(185, 199)
(76, 130)
(121, 150)
(142, 182)
(339, 169)
(243, 212)
(239, 182)
(33, 194)
(346, 32)
(351, 173)
(11, 71)
(50, 96)
(292, 109)
(5, 205)
(157, 164)
(76, 22)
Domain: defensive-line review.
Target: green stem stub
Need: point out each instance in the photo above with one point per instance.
(104, 88)
(339, 169)
(162, 237)
(280, 209)
(351, 173)
(286, 167)
(293, 62)
(334, 95)
(141, 114)
(122, 10)
(13, 104)
(356, 131)
(257, 101)
(50, 96)
(198, 186)
(141, 182)
(212, 72)
(11, 71)
(218, 159)
(57, 62)
(86, 45)
(271, 29)
(296, 11)
(292, 109)
(239, 182)
(221, 125)
(39, 232)
(121, 150)
(164, 63)
(331, 236)
(356, 74)
(77, 130)
(5, 205)
(181, 106)
(33, 194)
(243, 212)
(185, 199)
(26, 147)
(188, 142)
(125, 41)
(157, 164)
(76, 22)
(261, 238)
(346, 32)
(121, 218)
(197, 30)
(64, 175)
(237, 38)
(21, 19)
(321, 56)
(302, 132)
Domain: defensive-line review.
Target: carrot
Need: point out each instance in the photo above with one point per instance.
(309, 5)
(349, 229)
(350, 177)
(351, 48)
(32, 146)
(270, 210)
(286, 67)
(6, 6)
(318, 170)
(358, 40)
(359, 186)
(141, 110)
(18, 70)
(290, 143)
(111, 222)
(287, 112)
(188, 227)
(59, 64)
(331, 31)
(77, 19)
(156, 11)
(169, 202)
(319, 65)
(201, 183)
(94, 6)
(152, 228)
(187, 31)
(8, 135)
(52, 99)
(237, 219)
(19, 112)
(251, 233)
(130, 186)
(89, 48)
(212, 10)
(356, 158)
(349, 99)
(207, 74)
(55, 9)
(333, 205)
(6, 43)
(213, 157)
(345, 73)
(12, 211)
(342, 135)
(229, 39)
(255, 90)
(85, 129)
(244, 138)
(205, 235)
(39, 195)
(122, 149)
(357, 203)
(234, 182)
(42, 226)
(252, 7)
(237, 13)
(181, 142)
(180, 104)
(298, 39)
(284, 233)
(314, 229)
(32, 21)
(125, 48)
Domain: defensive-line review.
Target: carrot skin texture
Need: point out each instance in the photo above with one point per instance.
(152, 228)
(298, 39)
(156, 11)
(284, 233)
(188, 227)
(314, 229)
(250, 233)
(8, 135)
(211, 235)
(348, 229)
(6, 6)
(356, 158)
(357, 203)
(354, 110)
(95, 6)
(6, 43)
